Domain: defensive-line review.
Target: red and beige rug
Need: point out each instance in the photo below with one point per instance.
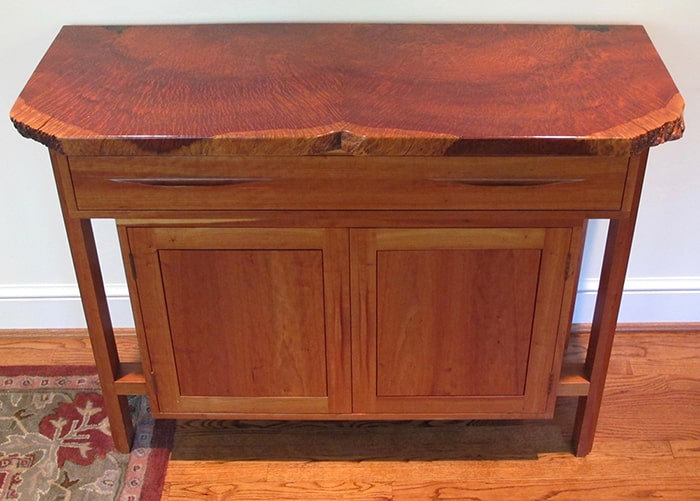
(55, 441)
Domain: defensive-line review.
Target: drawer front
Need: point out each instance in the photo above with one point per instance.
(318, 183)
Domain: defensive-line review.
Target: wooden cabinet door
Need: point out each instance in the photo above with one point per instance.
(457, 322)
(245, 322)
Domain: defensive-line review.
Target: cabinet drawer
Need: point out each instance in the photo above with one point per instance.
(336, 182)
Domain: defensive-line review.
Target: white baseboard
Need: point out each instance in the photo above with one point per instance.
(47, 306)
(57, 306)
(652, 299)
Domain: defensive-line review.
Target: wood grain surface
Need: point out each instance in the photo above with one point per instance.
(298, 89)
(267, 329)
(647, 445)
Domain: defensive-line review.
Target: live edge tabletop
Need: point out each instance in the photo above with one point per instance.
(351, 221)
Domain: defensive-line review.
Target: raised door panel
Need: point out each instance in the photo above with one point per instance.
(269, 302)
(462, 324)
(457, 322)
(243, 321)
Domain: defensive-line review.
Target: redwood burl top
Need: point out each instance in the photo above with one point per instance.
(365, 89)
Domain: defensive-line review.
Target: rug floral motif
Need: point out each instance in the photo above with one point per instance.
(55, 441)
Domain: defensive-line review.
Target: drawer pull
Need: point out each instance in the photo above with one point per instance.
(508, 182)
(177, 182)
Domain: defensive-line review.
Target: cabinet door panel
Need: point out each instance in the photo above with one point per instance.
(243, 321)
(462, 324)
(457, 321)
(258, 313)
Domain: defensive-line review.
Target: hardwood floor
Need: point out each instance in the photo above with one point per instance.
(647, 445)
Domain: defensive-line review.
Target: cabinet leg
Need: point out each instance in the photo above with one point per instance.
(99, 323)
(612, 281)
(120, 423)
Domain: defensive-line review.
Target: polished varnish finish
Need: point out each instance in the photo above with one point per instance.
(356, 88)
(351, 221)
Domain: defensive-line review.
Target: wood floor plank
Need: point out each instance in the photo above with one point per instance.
(647, 445)
(45, 351)
(673, 352)
(188, 472)
(651, 407)
(685, 448)
(59, 349)
(620, 450)
(557, 468)
(236, 489)
(572, 490)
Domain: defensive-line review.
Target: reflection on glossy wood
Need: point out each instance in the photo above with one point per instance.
(314, 88)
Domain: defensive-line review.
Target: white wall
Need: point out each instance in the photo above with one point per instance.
(37, 284)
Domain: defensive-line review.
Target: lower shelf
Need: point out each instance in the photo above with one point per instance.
(572, 382)
(130, 380)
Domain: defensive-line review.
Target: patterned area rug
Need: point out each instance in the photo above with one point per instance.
(55, 441)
